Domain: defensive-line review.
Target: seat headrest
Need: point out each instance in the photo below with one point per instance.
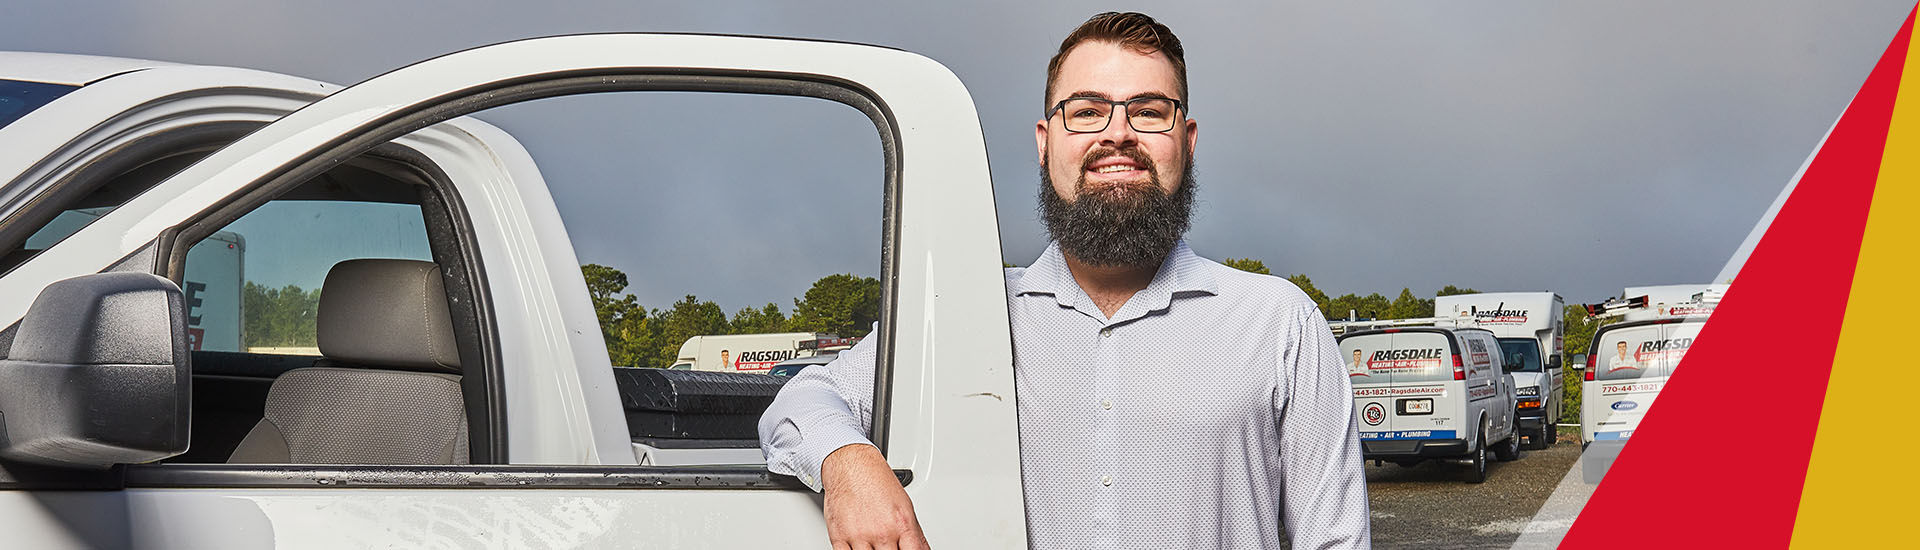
(387, 314)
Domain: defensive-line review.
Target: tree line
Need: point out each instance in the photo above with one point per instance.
(840, 304)
(636, 336)
(278, 317)
(1371, 306)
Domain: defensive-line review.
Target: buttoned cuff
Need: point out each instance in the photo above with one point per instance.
(821, 433)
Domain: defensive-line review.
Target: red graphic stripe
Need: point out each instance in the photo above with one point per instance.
(1679, 485)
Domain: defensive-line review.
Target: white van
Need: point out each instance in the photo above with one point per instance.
(1626, 366)
(1431, 392)
(1628, 363)
(1531, 329)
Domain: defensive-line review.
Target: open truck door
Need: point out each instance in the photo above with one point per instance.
(551, 463)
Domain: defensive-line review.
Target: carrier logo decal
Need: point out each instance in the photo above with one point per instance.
(1422, 391)
(1625, 406)
(1374, 414)
(1500, 315)
(1405, 360)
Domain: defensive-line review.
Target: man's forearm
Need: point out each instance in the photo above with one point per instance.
(819, 412)
(807, 422)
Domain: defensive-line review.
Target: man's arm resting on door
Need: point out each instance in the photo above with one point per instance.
(818, 412)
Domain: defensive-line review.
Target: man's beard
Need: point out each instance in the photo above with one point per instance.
(1136, 226)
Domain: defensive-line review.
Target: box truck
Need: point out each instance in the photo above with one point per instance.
(1531, 329)
(754, 353)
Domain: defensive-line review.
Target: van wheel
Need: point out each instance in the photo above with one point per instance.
(1544, 438)
(1478, 474)
(1509, 450)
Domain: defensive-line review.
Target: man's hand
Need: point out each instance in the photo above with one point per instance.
(867, 509)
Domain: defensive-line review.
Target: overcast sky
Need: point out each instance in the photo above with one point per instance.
(1576, 147)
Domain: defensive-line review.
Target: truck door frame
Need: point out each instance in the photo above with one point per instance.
(175, 241)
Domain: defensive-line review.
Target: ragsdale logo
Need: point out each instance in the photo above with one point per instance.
(1405, 360)
(761, 360)
(1672, 348)
(773, 356)
(1500, 315)
(1374, 414)
(1407, 354)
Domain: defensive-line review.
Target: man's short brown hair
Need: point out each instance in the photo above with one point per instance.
(1131, 29)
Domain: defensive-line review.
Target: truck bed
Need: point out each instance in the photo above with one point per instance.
(682, 417)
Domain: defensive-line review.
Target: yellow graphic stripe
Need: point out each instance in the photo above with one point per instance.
(1860, 491)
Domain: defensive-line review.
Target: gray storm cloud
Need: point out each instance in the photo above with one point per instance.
(1499, 145)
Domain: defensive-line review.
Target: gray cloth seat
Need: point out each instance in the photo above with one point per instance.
(389, 391)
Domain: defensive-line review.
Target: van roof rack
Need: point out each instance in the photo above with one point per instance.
(1355, 325)
(1637, 308)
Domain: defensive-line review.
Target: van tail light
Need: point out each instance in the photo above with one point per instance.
(1459, 369)
(1590, 364)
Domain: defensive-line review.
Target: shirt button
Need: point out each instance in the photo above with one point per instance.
(1106, 404)
(1106, 481)
(1106, 333)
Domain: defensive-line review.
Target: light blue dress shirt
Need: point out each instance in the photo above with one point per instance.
(1211, 411)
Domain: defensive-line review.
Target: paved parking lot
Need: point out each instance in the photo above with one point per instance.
(1432, 506)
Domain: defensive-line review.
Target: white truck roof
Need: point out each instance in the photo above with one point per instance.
(124, 100)
(68, 69)
(1505, 313)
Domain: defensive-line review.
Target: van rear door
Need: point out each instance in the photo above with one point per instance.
(1632, 364)
(1402, 387)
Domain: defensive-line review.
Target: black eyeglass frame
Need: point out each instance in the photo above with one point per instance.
(1178, 107)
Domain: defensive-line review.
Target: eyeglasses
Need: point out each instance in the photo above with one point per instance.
(1150, 115)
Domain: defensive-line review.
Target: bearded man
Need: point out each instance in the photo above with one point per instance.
(1165, 400)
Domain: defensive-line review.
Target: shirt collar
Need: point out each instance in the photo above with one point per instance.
(1183, 271)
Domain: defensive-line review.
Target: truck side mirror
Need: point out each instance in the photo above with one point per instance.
(98, 374)
(1579, 361)
(1553, 361)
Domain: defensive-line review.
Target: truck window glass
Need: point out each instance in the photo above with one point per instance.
(731, 234)
(720, 236)
(18, 98)
(255, 285)
(252, 294)
(103, 196)
(1619, 353)
(1521, 355)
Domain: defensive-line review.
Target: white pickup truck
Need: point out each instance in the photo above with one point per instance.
(463, 396)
